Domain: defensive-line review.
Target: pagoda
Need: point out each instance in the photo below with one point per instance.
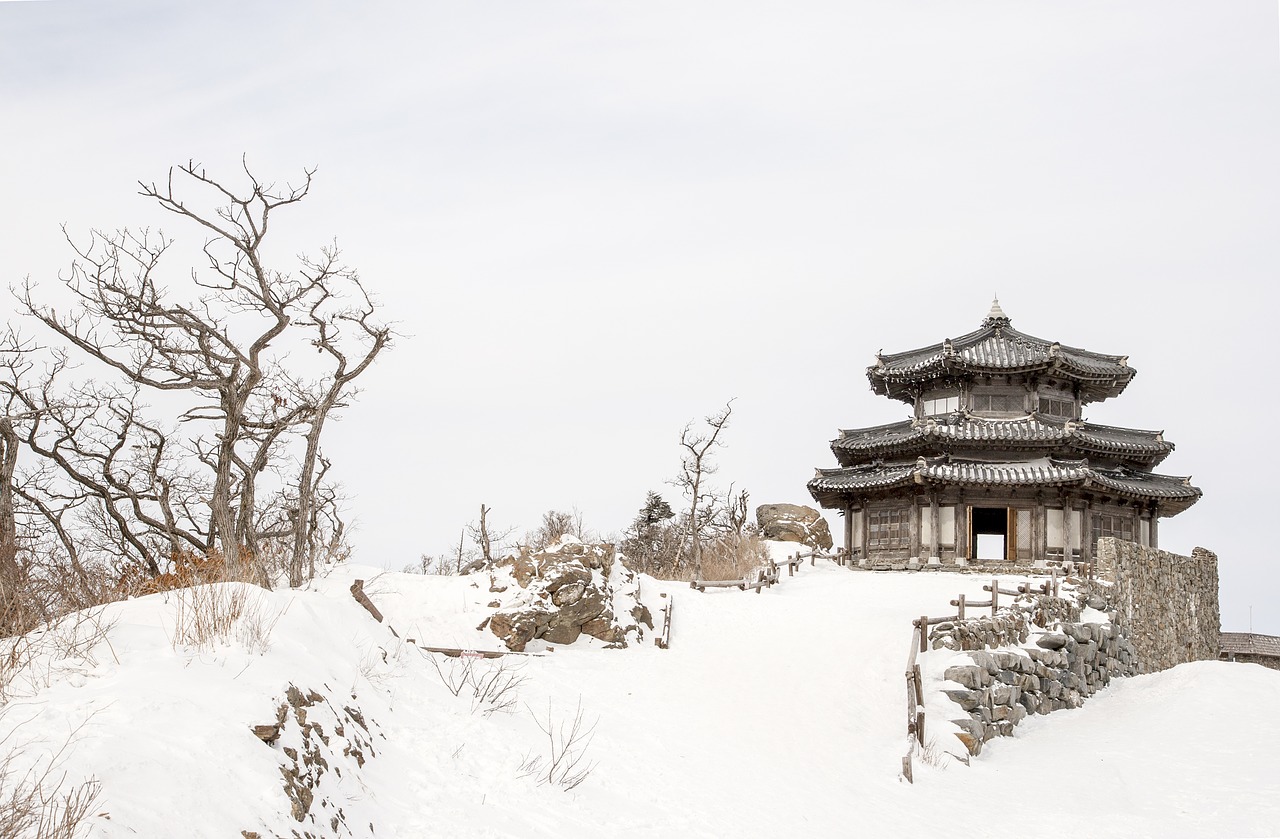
(995, 462)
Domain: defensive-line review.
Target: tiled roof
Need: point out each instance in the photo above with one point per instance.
(1025, 432)
(1248, 643)
(1175, 493)
(999, 348)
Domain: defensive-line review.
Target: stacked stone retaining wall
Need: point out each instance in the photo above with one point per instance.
(1067, 665)
(1149, 611)
(1168, 603)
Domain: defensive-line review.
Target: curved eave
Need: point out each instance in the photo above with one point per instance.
(1029, 433)
(1000, 350)
(1172, 495)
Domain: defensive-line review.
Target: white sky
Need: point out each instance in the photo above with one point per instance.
(596, 221)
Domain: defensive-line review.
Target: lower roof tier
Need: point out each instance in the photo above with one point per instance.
(832, 488)
(1032, 432)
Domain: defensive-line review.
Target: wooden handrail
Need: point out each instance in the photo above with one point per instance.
(663, 641)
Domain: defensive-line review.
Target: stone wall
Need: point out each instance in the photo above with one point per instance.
(1168, 603)
(1067, 665)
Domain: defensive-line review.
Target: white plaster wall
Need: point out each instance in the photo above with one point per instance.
(947, 526)
(1053, 527)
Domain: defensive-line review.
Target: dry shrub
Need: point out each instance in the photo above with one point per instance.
(187, 569)
(564, 764)
(219, 613)
(38, 803)
(493, 686)
(734, 557)
(33, 660)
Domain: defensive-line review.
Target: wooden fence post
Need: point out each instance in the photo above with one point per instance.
(924, 633)
(961, 605)
(995, 596)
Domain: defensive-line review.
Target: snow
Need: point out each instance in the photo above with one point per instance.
(779, 713)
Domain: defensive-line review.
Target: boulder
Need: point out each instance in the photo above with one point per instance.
(793, 523)
(1051, 641)
(564, 591)
(518, 627)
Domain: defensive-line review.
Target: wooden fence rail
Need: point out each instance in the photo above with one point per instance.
(663, 641)
(769, 575)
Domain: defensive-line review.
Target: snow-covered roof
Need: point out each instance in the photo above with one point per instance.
(997, 348)
(1033, 432)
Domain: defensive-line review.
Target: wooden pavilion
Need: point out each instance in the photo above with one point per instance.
(995, 462)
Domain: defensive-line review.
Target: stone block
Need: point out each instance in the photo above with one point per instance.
(970, 676)
(1052, 641)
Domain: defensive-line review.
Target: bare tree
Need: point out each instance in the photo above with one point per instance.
(695, 465)
(555, 524)
(370, 339)
(225, 347)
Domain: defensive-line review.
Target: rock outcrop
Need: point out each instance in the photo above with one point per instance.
(793, 523)
(564, 591)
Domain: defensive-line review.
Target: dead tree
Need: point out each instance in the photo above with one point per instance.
(695, 465)
(224, 346)
(369, 338)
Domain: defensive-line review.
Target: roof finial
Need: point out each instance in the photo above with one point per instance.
(996, 317)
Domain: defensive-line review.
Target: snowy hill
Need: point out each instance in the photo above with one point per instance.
(770, 715)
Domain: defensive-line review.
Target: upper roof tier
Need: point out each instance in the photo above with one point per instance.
(996, 348)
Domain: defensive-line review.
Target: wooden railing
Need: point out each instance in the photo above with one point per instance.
(663, 641)
(769, 575)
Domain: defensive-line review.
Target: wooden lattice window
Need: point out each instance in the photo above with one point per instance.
(940, 404)
(887, 529)
(1051, 407)
(998, 403)
(1109, 524)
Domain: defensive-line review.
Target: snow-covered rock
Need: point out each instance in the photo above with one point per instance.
(793, 523)
(566, 590)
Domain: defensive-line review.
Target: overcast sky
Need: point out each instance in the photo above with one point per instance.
(594, 222)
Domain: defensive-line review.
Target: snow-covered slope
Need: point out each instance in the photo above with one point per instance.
(773, 714)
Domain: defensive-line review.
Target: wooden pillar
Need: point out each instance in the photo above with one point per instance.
(914, 523)
(848, 529)
(933, 525)
(1039, 530)
(866, 527)
(1155, 517)
(962, 527)
(1086, 532)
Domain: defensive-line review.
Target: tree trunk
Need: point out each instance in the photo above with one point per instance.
(9, 571)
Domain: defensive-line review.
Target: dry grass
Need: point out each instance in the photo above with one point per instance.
(33, 660)
(188, 569)
(220, 613)
(734, 558)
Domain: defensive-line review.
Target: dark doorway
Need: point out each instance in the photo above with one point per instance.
(989, 532)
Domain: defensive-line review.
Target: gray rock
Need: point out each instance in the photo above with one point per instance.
(967, 699)
(568, 595)
(970, 734)
(794, 523)
(970, 676)
(986, 661)
(1052, 641)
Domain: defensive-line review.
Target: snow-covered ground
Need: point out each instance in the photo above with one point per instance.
(776, 714)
